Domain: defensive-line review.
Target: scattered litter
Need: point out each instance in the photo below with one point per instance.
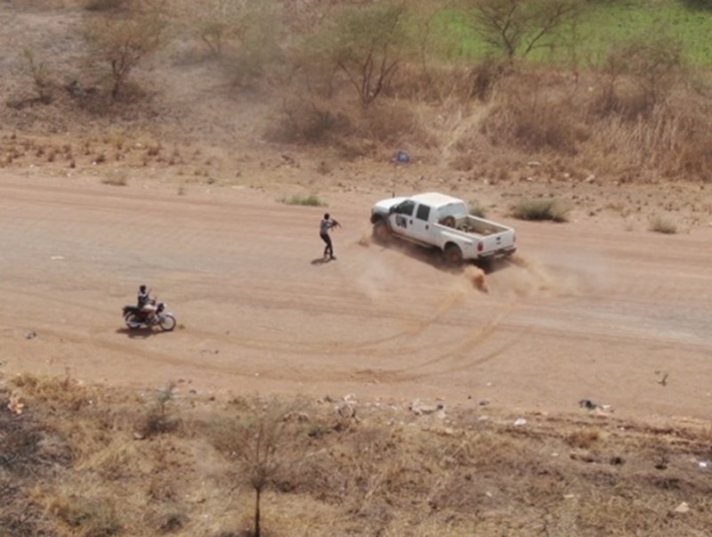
(347, 411)
(15, 404)
(402, 157)
(682, 508)
(587, 403)
(569, 496)
(519, 422)
(592, 405)
(703, 464)
(419, 409)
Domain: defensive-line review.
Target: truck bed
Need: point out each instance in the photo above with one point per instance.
(473, 225)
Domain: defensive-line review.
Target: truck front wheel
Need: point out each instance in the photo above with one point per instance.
(452, 255)
(381, 231)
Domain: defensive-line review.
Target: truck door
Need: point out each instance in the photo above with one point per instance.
(421, 228)
(401, 217)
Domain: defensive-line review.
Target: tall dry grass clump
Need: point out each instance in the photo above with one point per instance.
(536, 111)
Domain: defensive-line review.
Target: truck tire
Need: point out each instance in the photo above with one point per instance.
(452, 255)
(381, 232)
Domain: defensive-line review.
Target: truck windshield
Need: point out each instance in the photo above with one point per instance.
(406, 208)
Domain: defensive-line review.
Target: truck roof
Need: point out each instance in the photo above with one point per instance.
(435, 199)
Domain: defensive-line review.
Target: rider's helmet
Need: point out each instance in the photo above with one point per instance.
(326, 216)
(142, 288)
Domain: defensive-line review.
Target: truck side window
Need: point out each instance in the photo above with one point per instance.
(406, 208)
(423, 212)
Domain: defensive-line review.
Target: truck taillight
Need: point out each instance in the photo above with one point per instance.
(480, 246)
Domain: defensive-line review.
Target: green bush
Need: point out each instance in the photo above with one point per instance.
(541, 209)
(659, 224)
(312, 200)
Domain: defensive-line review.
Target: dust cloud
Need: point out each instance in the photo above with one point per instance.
(477, 277)
(563, 277)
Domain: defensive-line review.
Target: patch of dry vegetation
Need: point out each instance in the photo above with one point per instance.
(82, 460)
(366, 80)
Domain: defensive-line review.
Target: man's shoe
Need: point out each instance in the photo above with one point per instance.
(333, 258)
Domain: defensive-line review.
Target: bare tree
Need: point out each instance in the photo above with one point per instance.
(367, 45)
(123, 42)
(516, 27)
(221, 22)
(259, 442)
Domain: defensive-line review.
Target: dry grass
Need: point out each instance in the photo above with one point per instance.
(541, 209)
(660, 224)
(386, 472)
(312, 200)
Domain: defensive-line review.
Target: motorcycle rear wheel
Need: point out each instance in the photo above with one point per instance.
(133, 322)
(167, 322)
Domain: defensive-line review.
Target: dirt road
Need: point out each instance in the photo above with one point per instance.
(589, 312)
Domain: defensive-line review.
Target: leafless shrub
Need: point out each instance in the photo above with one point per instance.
(639, 74)
(529, 113)
(262, 443)
(41, 77)
(366, 44)
(123, 42)
(105, 5)
(517, 27)
(660, 224)
(310, 121)
(440, 84)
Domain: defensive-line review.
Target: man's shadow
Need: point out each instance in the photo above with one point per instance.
(320, 261)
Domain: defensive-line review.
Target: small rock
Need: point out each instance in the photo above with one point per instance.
(484, 402)
(31, 335)
(346, 411)
(419, 409)
(519, 422)
(682, 508)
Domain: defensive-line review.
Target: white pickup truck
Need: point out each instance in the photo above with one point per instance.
(440, 221)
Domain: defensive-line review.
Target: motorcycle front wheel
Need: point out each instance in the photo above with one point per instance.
(167, 322)
(133, 322)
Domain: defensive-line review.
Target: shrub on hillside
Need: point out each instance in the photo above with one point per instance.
(541, 209)
(533, 113)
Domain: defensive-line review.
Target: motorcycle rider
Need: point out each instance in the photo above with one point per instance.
(145, 304)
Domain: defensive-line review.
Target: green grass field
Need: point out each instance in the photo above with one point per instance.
(602, 25)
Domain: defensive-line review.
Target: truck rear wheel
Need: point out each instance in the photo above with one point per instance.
(381, 231)
(452, 255)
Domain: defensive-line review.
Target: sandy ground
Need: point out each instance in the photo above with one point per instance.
(590, 311)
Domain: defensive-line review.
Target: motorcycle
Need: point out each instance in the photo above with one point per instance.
(136, 319)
